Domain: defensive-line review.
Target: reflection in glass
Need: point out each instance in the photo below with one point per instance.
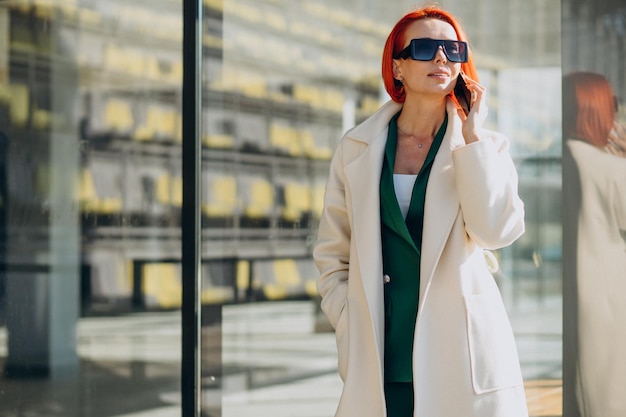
(593, 225)
(90, 96)
(594, 186)
(90, 200)
(279, 73)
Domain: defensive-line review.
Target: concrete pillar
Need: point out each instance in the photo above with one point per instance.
(42, 265)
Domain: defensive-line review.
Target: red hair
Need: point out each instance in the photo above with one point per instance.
(395, 43)
(588, 107)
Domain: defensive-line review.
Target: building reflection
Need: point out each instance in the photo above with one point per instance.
(90, 100)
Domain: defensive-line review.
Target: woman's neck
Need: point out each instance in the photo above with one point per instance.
(422, 117)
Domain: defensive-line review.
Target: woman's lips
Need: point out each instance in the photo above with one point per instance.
(439, 73)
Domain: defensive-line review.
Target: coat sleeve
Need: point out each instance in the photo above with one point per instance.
(619, 193)
(332, 250)
(487, 186)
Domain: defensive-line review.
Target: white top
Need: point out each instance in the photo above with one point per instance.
(403, 185)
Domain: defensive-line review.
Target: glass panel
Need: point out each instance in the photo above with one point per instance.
(90, 199)
(594, 230)
(284, 80)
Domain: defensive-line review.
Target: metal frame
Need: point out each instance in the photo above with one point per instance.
(191, 226)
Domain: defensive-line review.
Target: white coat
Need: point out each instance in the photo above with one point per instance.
(465, 361)
(594, 284)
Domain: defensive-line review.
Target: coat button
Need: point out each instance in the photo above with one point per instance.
(386, 279)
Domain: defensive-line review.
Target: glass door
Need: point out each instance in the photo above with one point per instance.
(282, 81)
(90, 150)
(594, 234)
(156, 241)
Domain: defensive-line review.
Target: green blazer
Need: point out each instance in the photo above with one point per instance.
(401, 243)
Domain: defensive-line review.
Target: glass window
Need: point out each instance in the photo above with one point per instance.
(90, 198)
(594, 237)
(91, 192)
(292, 77)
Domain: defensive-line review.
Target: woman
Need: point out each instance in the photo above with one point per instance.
(594, 250)
(415, 195)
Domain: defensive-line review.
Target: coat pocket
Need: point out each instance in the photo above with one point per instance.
(494, 363)
(342, 335)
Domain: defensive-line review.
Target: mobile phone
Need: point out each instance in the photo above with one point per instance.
(463, 94)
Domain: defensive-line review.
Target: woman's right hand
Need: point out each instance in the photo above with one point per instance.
(473, 122)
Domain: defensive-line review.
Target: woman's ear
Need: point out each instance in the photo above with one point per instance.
(397, 73)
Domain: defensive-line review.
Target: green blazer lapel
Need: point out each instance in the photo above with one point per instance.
(391, 213)
(442, 205)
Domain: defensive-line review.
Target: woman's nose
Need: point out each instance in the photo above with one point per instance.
(441, 56)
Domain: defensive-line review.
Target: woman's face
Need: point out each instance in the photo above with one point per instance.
(436, 77)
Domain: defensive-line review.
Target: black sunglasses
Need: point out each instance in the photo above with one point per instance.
(425, 49)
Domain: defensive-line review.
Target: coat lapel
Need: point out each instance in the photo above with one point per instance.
(442, 204)
(392, 215)
(363, 179)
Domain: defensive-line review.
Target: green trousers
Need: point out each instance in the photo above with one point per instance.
(399, 399)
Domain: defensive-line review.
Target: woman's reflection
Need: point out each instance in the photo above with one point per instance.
(594, 244)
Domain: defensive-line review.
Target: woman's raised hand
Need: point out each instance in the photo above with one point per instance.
(617, 140)
(473, 122)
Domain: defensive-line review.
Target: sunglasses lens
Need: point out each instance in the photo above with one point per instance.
(426, 49)
(423, 49)
(456, 51)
